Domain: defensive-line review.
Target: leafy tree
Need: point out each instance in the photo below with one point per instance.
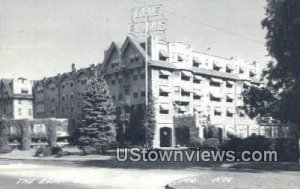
(259, 102)
(282, 92)
(98, 118)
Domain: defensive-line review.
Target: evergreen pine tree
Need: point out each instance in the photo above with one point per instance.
(98, 119)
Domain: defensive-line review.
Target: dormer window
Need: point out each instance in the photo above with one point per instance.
(196, 62)
(163, 55)
(180, 58)
(217, 66)
(229, 68)
(252, 73)
(241, 70)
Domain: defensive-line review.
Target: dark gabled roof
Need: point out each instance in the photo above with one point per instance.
(136, 45)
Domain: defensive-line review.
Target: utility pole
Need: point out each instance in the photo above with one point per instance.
(146, 49)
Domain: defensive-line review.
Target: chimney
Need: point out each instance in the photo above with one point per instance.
(73, 67)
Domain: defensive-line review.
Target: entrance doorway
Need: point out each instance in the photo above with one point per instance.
(165, 137)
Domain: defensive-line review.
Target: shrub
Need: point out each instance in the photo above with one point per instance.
(62, 153)
(5, 149)
(86, 150)
(56, 150)
(43, 151)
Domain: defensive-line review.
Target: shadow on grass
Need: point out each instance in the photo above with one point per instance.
(251, 167)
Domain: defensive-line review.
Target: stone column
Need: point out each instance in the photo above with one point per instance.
(4, 132)
(51, 133)
(26, 138)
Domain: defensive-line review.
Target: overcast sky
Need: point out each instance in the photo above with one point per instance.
(41, 38)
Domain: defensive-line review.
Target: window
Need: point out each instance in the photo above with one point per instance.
(30, 112)
(215, 99)
(24, 91)
(217, 113)
(216, 68)
(163, 76)
(127, 91)
(114, 97)
(176, 89)
(135, 95)
(135, 77)
(197, 81)
(185, 93)
(229, 99)
(241, 71)
(20, 111)
(143, 93)
(120, 80)
(143, 76)
(161, 93)
(215, 84)
(196, 97)
(161, 111)
(229, 85)
(228, 114)
(185, 78)
(113, 82)
(196, 64)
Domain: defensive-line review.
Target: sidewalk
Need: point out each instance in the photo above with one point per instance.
(29, 155)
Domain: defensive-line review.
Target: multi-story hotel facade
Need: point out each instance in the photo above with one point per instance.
(60, 96)
(190, 89)
(16, 99)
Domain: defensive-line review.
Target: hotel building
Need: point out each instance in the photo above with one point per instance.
(60, 96)
(16, 98)
(191, 89)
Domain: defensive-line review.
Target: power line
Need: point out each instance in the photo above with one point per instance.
(215, 27)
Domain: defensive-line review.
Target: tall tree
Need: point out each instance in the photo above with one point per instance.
(283, 72)
(98, 118)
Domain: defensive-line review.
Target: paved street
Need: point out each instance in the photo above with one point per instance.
(99, 174)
